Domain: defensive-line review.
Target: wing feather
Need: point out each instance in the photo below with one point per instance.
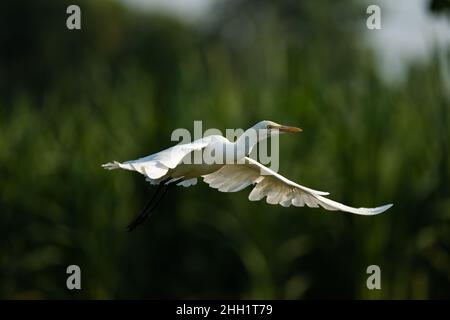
(276, 188)
(157, 165)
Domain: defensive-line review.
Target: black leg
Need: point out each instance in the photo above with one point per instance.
(141, 217)
(153, 203)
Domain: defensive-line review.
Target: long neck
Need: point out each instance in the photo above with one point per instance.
(245, 143)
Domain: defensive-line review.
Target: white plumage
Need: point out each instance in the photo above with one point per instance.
(172, 166)
(276, 188)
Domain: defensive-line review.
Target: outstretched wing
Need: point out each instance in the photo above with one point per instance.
(157, 165)
(277, 189)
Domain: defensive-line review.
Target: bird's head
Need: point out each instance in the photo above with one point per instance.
(273, 128)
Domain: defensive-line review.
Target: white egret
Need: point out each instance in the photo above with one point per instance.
(168, 167)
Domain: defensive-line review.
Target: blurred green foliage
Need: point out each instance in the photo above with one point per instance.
(115, 90)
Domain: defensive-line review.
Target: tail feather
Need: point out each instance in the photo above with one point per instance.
(111, 165)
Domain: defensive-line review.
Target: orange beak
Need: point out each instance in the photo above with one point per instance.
(288, 129)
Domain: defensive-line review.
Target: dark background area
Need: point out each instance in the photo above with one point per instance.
(117, 88)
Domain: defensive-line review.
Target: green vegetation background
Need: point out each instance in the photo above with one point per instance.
(115, 90)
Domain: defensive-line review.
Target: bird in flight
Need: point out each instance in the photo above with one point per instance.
(237, 171)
